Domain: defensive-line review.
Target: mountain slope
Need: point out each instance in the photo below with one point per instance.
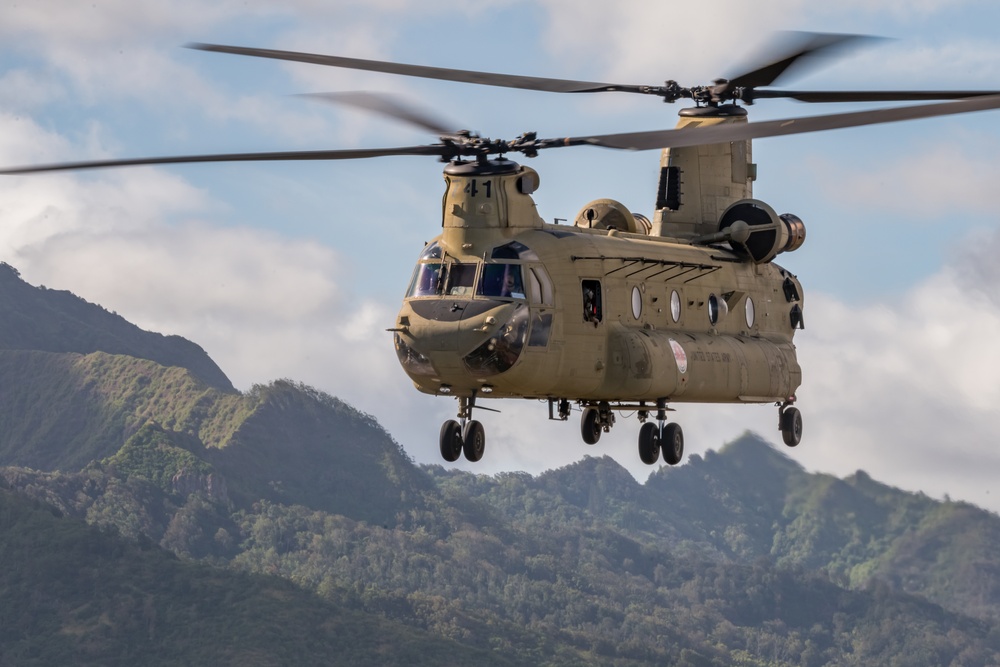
(72, 594)
(740, 556)
(35, 318)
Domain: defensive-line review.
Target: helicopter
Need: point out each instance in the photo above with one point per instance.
(617, 312)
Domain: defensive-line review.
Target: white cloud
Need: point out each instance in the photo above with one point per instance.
(934, 182)
(907, 391)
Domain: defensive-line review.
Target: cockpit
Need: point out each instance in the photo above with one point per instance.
(499, 305)
(493, 279)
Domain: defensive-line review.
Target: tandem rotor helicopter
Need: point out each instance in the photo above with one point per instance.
(618, 311)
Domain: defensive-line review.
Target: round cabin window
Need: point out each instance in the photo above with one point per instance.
(751, 313)
(713, 309)
(636, 302)
(675, 306)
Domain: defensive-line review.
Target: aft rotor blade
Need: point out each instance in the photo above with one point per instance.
(790, 51)
(425, 72)
(350, 154)
(775, 128)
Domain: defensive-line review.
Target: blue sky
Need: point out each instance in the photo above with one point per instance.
(295, 270)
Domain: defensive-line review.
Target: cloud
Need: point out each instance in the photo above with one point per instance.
(908, 390)
(937, 180)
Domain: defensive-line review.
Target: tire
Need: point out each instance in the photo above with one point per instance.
(673, 443)
(791, 426)
(590, 427)
(473, 440)
(649, 443)
(451, 441)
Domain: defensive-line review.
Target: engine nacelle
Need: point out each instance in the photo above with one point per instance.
(755, 231)
(610, 214)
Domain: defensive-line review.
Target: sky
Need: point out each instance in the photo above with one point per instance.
(295, 270)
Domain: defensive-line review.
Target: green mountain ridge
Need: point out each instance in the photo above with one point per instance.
(739, 556)
(90, 598)
(36, 318)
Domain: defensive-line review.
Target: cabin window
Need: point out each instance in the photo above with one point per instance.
(751, 312)
(675, 306)
(713, 309)
(593, 310)
(502, 280)
(636, 302)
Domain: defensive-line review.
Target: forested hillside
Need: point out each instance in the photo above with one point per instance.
(36, 318)
(138, 490)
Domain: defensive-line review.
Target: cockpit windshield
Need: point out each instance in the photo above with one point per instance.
(426, 280)
(432, 278)
(461, 279)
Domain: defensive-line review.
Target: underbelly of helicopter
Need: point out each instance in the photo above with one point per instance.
(642, 364)
(626, 364)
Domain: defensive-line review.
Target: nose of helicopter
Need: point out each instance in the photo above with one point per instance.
(459, 343)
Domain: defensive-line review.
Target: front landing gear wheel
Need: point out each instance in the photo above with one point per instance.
(673, 443)
(649, 443)
(791, 426)
(451, 441)
(473, 440)
(590, 426)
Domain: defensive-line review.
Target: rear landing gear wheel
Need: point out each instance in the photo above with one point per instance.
(451, 441)
(590, 426)
(672, 443)
(791, 426)
(473, 440)
(649, 443)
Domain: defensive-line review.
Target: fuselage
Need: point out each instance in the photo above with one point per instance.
(502, 304)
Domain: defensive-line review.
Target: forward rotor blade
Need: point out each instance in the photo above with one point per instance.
(425, 72)
(775, 128)
(385, 105)
(867, 95)
(355, 154)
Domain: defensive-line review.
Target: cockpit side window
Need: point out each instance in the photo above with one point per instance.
(502, 280)
(541, 286)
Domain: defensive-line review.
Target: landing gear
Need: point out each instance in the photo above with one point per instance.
(649, 443)
(661, 436)
(594, 421)
(589, 426)
(790, 424)
(473, 440)
(672, 443)
(451, 441)
(463, 436)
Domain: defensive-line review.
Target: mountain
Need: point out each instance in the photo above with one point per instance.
(36, 318)
(75, 595)
(161, 487)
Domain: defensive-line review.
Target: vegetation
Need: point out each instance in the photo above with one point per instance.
(149, 517)
(72, 594)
